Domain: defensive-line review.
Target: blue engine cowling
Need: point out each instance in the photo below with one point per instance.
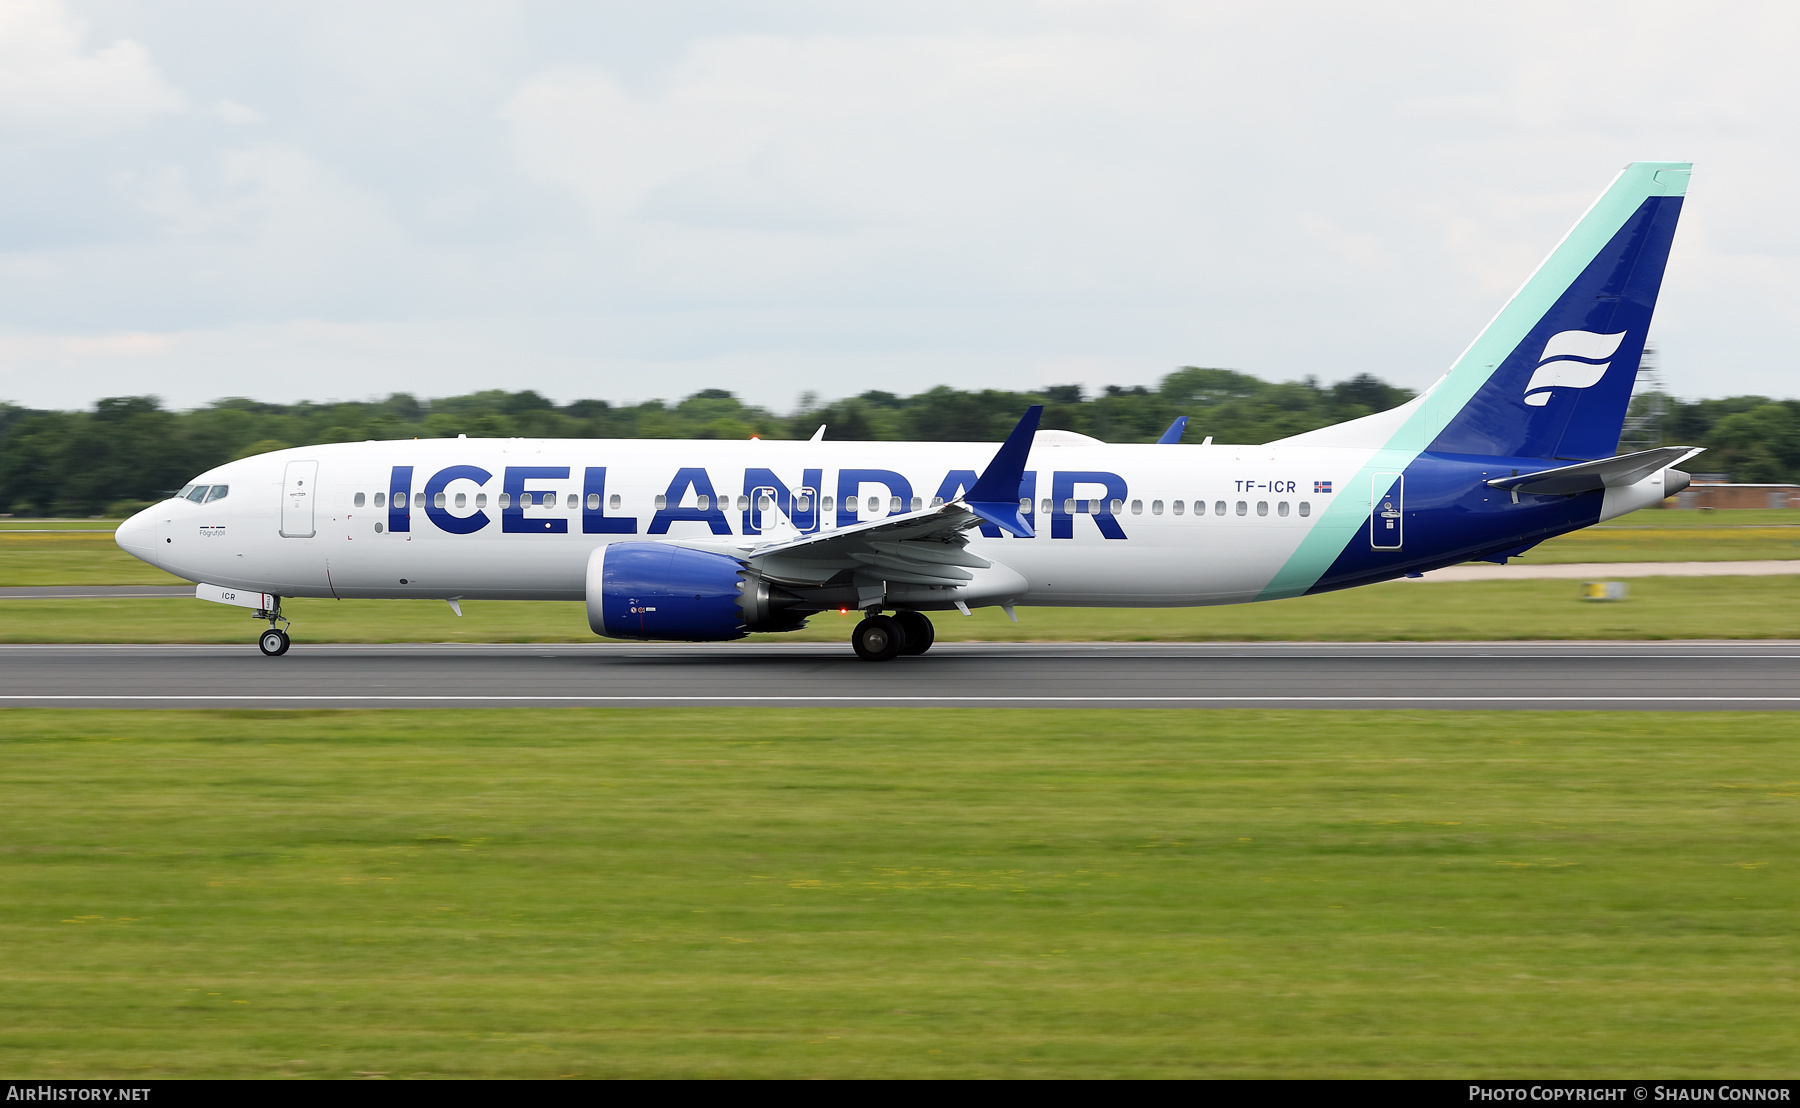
(651, 590)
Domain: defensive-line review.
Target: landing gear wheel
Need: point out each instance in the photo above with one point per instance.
(878, 639)
(274, 642)
(918, 629)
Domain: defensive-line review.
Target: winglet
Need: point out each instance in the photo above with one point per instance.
(995, 494)
(1174, 433)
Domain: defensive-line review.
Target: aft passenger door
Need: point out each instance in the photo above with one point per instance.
(298, 495)
(1387, 518)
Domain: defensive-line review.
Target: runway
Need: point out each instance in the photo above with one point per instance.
(1589, 675)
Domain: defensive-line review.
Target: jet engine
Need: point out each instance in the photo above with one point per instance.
(652, 590)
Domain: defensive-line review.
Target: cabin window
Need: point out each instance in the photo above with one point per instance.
(462, 499)
(381, 500)
(1137, 508)
(1024, 505)
(593, 501)
(357, 501)
(662, 502)
(825, 503)
(917, 503)
(1243, 508)
(1050, 507)
(480, 500)
(1305, 508)
(1219, 507)
(1262, 507)
(399, 498)
(703, 502)
(938, 502)
(505, 500)
(440, 500)
(802, 504)
(894, 504)
(743, 504)
(574, 502)
(874, 504)
(1156, 507)
(614, 502)
(419, 500)
(1176, 507)
(1281, 509)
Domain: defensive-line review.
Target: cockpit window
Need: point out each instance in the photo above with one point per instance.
(198, 493)
(183, 494)
(218, 493)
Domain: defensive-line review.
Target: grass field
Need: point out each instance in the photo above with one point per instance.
(899, 893)
(1659, 608)
(84, 552)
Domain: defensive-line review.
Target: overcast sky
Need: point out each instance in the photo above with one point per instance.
(633, 200)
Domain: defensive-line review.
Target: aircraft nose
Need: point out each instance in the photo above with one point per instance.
(137, 535)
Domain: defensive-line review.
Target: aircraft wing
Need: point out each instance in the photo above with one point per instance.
(925, 547)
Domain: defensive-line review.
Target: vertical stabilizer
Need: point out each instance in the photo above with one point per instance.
(1551, 375)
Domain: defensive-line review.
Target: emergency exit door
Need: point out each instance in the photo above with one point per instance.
(1387, 517)
(298, 494)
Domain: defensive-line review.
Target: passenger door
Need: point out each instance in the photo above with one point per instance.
(1387, 518)
(299, 492)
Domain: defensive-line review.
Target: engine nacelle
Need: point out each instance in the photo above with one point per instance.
(652, 590)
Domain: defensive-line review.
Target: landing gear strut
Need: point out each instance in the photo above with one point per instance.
(273, 642)
(882, 638)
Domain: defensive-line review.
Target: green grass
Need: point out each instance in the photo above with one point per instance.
(899, 893)
(73, 557)
(1679, 536)
(1659, 608)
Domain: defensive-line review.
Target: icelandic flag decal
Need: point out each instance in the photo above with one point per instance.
(1321, 486)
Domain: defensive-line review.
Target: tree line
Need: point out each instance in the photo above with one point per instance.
(128, 451)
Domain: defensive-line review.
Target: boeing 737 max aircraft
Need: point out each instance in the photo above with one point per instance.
(710, 540)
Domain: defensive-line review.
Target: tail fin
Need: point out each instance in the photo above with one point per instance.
(1551, 375)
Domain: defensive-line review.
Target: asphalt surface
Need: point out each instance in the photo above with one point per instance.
(1683, 676)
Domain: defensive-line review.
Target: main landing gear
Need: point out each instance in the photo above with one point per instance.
(882, 638)
(273, 642)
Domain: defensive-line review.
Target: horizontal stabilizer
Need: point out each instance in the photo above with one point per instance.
(1607, 473)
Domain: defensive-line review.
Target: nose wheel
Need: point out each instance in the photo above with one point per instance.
(273, 642)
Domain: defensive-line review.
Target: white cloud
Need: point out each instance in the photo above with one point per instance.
(795, 196)
(51, 81)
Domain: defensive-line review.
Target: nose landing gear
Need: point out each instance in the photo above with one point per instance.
(273, 642)
(882, 638)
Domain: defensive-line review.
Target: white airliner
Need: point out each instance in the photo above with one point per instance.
(707, 540)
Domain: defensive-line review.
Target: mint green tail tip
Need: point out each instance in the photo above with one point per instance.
(1666, 178)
